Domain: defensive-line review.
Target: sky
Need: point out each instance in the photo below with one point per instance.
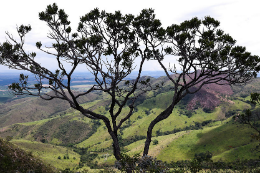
(239, 18)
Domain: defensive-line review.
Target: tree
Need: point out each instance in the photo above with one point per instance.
(106, 43)
(251, 118)
(203, 52)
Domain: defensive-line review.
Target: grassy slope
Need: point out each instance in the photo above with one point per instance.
(33, 109)
(67, 129)
(14, 158)
(227, 142)
(179, 146)
(184, 145)
(50, 153)
(219, 140)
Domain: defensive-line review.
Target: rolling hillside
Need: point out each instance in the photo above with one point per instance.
(30, 109)
(14, 159)
(200, 122)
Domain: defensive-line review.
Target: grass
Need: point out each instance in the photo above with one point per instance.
(171, 147)
(224, 139)
(14, 159)
(137, 147)
(39, 122)
(181, 148)
(99, 137)
(217, 137)
(50, 153)
(242, 153)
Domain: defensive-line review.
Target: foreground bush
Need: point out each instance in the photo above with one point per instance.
(202, 162)
(141, 164)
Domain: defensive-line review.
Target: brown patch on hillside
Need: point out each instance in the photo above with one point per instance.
(210, 96)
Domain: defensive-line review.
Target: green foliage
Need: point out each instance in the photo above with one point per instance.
(198, 125)
(8, 138)
(158, 132)
(126, 162)
(127, 141)
(155, 142)
(49, 153)
(141, 164)
(207, 110)
(230, 113)
(195, 166)
(67, 170)
(252, 118)
(188, 113)
(200, 157)
(87, 158)
(63, 131)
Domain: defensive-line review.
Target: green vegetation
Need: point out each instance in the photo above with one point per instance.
(179, 137)
(50, 154)
(184, 134)
(203, 51)
(14, 159)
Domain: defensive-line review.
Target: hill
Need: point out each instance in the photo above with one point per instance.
(30, 109)
(200, 122)
(14, 159)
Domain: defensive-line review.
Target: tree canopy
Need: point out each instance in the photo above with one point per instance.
(109, 43)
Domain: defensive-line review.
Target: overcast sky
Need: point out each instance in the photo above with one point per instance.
(239, 18)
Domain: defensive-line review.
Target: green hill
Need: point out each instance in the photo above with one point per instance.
(193, 127)
(57, 156)
(30, 109)
(14, 159)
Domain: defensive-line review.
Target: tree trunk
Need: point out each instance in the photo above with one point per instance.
(116, 147)
(163, 115)
(117, 151)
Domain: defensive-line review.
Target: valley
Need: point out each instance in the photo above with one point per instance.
(64, 138)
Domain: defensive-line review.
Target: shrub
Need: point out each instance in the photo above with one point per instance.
(188, 113)
(141, 164)
(150, 164)
(155, 142)
(207, 110)
(8, 138)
